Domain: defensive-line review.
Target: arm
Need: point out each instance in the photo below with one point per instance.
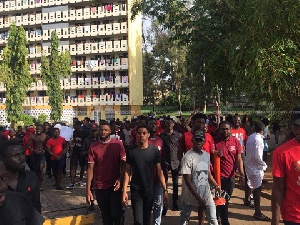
(161, 176)
(181, 148)
(278, 192)
(188, 121)
(50, 152)
(90, 174)
(212, 181)
(118, 182)
(29, 144)
(126, 182)
(239, 165)
(188, 181)
(257, 155)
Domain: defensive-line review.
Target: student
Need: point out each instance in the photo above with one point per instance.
(15, 208)
(19, 179)
(286, 177)
(141, 161)
(197, 176)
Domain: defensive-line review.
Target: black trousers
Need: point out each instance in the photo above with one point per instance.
(290, 223)
(227, 184)
(110, 205)
(175, 174)
(141, 207)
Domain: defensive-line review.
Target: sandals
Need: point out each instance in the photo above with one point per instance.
(262, 217)
(250, 204)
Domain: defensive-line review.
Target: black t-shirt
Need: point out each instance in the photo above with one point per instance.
(78, 138)
(142, 162)
(18, 210)
(29, 186)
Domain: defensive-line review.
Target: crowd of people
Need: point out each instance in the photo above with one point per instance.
(142, 153)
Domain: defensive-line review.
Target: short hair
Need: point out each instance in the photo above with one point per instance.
(6, 144)
(77, 123)
(225, 122)
(87, 119)
(199, 116)
(259, 126)
(170, 119)
(151, 119)
(265, 121)
(143, 126)
(104, 123)
(55, 128)
(127, 121)
(39, 125)
(142, 118)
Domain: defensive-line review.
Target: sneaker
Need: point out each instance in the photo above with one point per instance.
(71, 186)
(59, 188)
(79, 184)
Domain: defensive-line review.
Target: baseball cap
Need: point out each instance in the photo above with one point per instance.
(295, 117)
(199, 135)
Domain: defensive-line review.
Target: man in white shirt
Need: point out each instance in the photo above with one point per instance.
(255, 167)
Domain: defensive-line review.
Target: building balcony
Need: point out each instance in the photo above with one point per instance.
(38, 35)
(24, 18)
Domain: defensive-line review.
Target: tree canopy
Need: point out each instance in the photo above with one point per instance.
(249, 47)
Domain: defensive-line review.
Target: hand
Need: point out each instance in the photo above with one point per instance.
(166, 198)
(219, 153)
(117, 185)
(42, 151)
(218, 189)
(57, 157)
(125, 198)
(201, 202)
(242, 181)
(89, 197)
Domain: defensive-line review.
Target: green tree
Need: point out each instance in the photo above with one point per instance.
(16, 72)
(55, 67)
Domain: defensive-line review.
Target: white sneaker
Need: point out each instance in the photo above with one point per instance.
(79, 184)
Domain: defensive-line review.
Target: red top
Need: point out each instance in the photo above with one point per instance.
(229, 148)
(241, 135)
(186, 142)
(56, 146)
(286, 164)
(158, 143)
(106, 157)
(133, 137)
(211, 128)
(25, 143)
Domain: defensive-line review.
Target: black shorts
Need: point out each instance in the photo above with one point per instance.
(58, 165)
(76, 158)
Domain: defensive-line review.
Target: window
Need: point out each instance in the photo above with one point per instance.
(125, 110)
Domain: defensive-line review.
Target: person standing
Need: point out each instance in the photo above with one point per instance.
(255, 167)
(158, 192)
(266, 137)
(37, 144)
(286, 177)
(229, 149)
(171, 141)
(106, 164)
(19, 179)
(79, 135)
(197, 176)
(276, 130)
(141, 161)
(15, 208)
(127, 135)
(57, 148)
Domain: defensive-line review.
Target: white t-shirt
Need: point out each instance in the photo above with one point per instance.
(198, 166)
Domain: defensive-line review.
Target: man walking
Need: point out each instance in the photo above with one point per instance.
(229, 149)
(286, 177)
(171, 141)
(106, 163)
(255, 167)
(141, 161)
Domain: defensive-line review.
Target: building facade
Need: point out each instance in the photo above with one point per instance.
(106, 52)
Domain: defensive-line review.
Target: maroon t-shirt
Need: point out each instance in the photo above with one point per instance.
(158, 143)
(106, 157)
(229, 148)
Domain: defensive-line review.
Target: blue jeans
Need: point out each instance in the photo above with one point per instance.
(158, 194)
(210, 212)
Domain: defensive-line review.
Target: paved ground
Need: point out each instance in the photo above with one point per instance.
(69, 203)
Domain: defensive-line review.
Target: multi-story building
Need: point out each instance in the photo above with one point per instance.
(106, 51)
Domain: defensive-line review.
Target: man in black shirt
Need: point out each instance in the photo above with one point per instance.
(19, 179)
(15, 208)
(79, 135)
(171, 140)
(142, 160)
(20, 134)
